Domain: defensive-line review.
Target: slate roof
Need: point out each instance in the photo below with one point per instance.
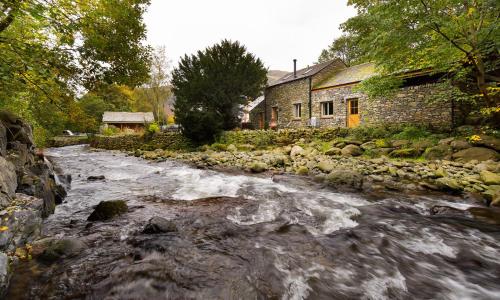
(302, 73)
(348, 75)
(254, 103)
(128, 117)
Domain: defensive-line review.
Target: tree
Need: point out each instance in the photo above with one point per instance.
(213, 85)
(346, 48)
(461, 38)
(52, 49)
(156, 90)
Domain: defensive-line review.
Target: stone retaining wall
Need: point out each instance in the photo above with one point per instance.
(167, 140)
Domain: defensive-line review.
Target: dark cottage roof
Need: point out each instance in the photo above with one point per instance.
(302, 73)
(128, 117)
(349, 75)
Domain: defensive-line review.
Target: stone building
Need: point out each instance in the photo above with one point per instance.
(127, 120)
(324, 95)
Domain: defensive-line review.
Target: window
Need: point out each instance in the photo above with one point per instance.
(327, 108)
(297, 109)
(353, 106)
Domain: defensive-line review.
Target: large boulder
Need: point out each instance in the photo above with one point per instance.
(106, 210)
(404, 153)
(352, 150)
(159, 225)
(460, 145)
(490, 178)
(440, 151)
(488, 142)
(8, 182)
(448, 184)
(258, 167)
(345, 180)
(333, 151)
(17, 129)
(475, 153)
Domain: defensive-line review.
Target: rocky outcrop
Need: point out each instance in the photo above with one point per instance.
(106, 210)
(29, 191)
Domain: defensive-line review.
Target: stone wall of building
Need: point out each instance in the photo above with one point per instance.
(409, 105)
(284, 97)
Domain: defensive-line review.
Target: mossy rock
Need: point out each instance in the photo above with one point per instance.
(106, 210)
(258, 167)
(302, 170)
(345, 180)
(437, 152)
(404, 153)
(56, 249)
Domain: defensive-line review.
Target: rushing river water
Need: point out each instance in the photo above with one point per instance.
(246, 237)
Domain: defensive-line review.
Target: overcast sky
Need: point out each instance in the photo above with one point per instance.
(274, 30)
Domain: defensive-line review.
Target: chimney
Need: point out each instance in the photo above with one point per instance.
(295, 68)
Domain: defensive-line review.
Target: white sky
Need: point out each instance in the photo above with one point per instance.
(276, 31)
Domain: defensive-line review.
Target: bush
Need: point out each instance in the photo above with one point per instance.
(412, 133)
(153, 128)
(110, 130)
(219, 147)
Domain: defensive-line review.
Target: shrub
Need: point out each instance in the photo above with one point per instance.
(153, 128)
(219, 147)
(110, 130)
(412, 133)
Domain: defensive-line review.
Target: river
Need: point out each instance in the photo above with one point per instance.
(250, 237)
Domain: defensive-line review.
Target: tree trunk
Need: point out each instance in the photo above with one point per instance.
(481, 82)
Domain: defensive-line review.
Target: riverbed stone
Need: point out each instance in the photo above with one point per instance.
(404, 153)
(345, 179)
(296, 151)
(55, 249)
(106, 210)
(448, 184)
(333, 151)
(96, 178)
(159, 225)
(352, 150)
(437, 152)
(488, 142)
(475, 153)
(302, 170)
(232, 148)
(325, 166)
(4, 272)
(490, 178)
(258, 167)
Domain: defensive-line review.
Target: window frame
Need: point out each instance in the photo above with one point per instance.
(326, 112)
(299, 107)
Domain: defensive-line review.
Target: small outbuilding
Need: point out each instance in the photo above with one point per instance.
(128, 120)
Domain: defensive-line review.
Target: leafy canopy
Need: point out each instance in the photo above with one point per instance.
(213, 85)
(458, 37)
(346, 48)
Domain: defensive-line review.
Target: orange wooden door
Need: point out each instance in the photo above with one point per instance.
(261, 120)
(352, 113)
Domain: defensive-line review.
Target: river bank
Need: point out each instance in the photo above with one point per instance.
(453, 165)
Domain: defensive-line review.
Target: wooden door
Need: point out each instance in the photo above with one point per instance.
(261, 120)
(352, 113)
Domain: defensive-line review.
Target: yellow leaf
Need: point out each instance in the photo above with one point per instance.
(3, 228)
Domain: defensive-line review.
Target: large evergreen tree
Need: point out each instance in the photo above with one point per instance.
(212, 86)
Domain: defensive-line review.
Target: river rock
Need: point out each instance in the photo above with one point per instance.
(369, 145)
(345, 179)
(8, 182)
(96, 178)
(460, 145)
(4, 272)
(490, 178)
(302, 170)
(437, 152)
(55, 249)
(448, 184)
(258, 167)
(232, 148)
(489, 142)
(325, 166)
(475, 153)
(399, 143)
(106, 210)
(352, 150)
(333, 151)
(404, 153)
(296, 151)
(159, 225)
